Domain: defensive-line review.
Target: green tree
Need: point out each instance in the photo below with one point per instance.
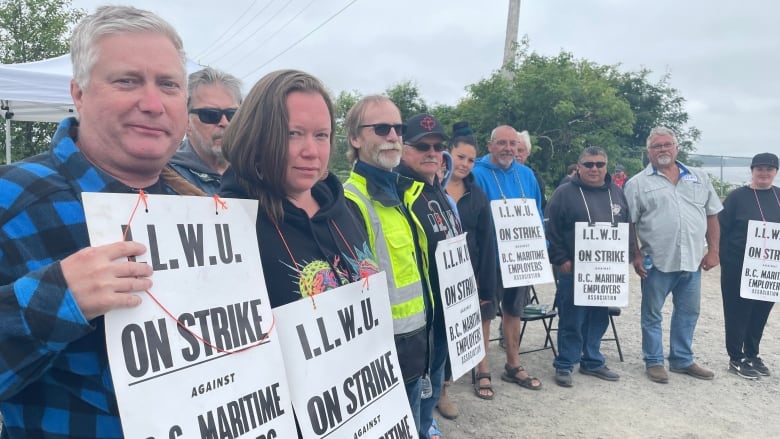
(566, 104)
(406, 97)
(339, 164)
(654, 104)
(32, 30)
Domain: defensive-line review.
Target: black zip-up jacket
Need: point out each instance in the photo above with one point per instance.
(440, 222)
(567, 207)
(326, 251)
(475, 216)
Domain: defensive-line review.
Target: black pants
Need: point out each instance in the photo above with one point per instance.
(745, 318)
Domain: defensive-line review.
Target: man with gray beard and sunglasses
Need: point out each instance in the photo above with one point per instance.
(383, 200)
(675, 208)
(213, 98)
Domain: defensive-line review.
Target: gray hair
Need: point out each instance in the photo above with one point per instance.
(354, 119)
(112, 20)
(661, 131)
(210, 76)
(592, 150)
(526, 138)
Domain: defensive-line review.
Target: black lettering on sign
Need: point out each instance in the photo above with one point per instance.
(242, 415)
(347, 319)
(368, 315)
(127, 232)
(145, 347)
(324, 411)
(227, 328)
(191, 236)
(154, 251)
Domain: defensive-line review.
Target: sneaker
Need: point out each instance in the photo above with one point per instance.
(758, 364)
(695, 371)
(563, 378)
(603, 372)
(743, 368)
(657, 374)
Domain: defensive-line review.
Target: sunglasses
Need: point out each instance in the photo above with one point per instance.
(212, 116)
(425, 147)
(383, 129)
(590, 165)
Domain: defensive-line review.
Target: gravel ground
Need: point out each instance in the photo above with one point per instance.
(634, 407)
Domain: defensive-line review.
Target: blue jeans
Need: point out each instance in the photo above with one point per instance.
(440, 353)
(685, 287)
(413, 391)
(580, 329)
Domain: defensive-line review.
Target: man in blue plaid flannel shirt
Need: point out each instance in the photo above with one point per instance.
(129, 89)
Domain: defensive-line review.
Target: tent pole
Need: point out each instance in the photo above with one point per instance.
(7, 141)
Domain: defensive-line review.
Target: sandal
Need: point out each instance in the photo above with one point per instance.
(433, 431)
(478, 388)
(510, 375)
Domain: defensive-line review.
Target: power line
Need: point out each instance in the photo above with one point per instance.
(233, 49)
(262, 44)
(227, 29)
(301, 39)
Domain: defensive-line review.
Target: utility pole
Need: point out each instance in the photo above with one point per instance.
(512, 24)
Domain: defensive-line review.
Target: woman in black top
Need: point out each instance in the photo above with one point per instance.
(474, 210)
(745, 318)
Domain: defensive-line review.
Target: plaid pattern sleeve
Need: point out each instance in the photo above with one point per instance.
(54, 375)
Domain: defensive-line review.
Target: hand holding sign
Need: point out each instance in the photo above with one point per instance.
(100, 278)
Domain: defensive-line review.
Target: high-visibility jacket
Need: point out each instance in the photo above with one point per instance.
(392, 239)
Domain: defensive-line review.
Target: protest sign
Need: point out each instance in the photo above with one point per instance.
(200, 356)
(761, 265)
(522, 248)
(601, 264)
(462, 317)
(342, 366)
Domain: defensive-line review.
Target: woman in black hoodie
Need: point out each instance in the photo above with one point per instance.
(279, 145)
(474, 210)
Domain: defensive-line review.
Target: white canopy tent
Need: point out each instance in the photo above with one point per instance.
(39, 91)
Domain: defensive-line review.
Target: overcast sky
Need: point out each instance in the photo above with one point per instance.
(722, 55)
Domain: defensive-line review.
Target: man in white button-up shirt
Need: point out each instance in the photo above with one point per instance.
(675, 209)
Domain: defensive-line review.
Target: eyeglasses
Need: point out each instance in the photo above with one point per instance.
(667, 145)
(505, 143)
(425, 147)
(383, 129)
(212, 116)
(590, 165)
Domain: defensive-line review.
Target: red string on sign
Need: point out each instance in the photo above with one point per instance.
(142, 197)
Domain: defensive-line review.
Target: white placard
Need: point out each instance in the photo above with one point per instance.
(522, 248)
(761, 266)
(601, 264)
(459, 295)
(342, 366)
(207, 274)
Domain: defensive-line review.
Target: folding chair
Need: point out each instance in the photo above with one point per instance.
(547, 322)
(613, 312)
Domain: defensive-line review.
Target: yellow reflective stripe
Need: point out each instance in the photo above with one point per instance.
(408, 308)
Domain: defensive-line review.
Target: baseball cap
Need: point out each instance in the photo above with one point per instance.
(765, 158)
(421, 125)
(620, 168)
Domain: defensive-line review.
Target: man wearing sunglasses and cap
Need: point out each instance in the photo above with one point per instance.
(213, 97)
(383, 200)
(421, 160)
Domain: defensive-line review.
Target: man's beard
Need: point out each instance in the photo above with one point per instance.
(665, 160)
(386, 161)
